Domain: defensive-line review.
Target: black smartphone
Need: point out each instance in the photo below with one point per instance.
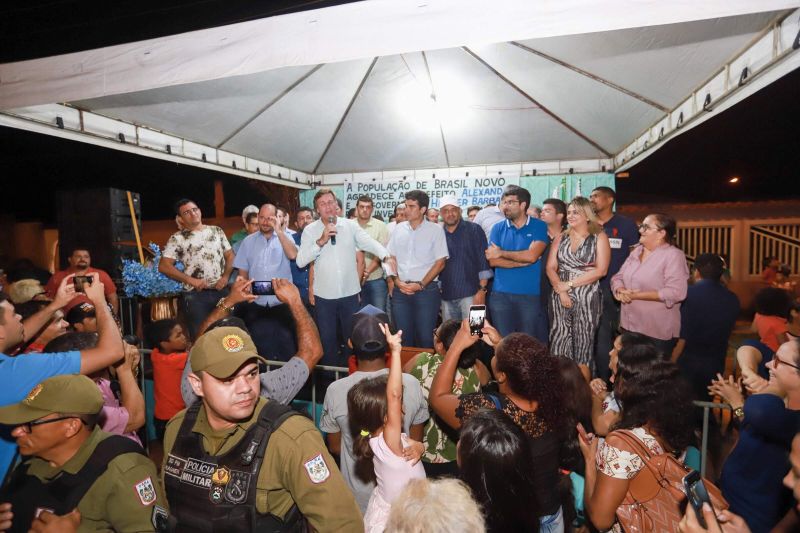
(697, 494)
(477, 316)
(79, 281)
(262, 288)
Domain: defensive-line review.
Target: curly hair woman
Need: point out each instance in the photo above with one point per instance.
(530, 394)
(654, 400)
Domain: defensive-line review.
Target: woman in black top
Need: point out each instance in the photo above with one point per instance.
(530, 388)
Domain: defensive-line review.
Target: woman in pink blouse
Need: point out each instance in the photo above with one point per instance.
(652, 284)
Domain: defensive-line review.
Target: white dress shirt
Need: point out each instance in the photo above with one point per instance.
(335, 272)
(416, 250)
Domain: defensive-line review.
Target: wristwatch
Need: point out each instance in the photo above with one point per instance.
(484, 288)
(739, 412)
(221, 305)
(570, 285)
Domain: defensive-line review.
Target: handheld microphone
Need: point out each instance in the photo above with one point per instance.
(333, 237)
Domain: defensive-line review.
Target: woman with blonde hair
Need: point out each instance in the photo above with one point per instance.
(578, 258)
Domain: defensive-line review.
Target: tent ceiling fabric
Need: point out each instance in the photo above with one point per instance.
(462, 86)
(568, 97)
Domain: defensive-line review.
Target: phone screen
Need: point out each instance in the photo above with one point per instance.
(262, 288)
(477, 315)
(697, 494)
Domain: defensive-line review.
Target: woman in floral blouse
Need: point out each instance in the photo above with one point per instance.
(655, 400)
(440, 446)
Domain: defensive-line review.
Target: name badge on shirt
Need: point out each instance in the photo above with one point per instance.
(615, 243)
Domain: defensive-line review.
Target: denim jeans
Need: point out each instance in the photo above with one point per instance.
(197, 305)
(334, 317)
(271, 328)
(553, 523)
(456, 309)
(374, 293)
(524, 313)
(416, 315)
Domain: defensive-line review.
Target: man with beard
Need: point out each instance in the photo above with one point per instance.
(207, 257)
(80, 264)
(466, 274)
(245, 463)
(265, 255)
(515, 250)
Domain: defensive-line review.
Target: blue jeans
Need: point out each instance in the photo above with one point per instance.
(197, 305)
(374, 293)
(553, 523)
(518, 312)
(416, 315)
(333, 317)
(456, 309)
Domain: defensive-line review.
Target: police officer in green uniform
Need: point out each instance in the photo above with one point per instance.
(73, 464)
(238, 462)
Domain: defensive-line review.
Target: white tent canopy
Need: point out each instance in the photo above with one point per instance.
(389, 85)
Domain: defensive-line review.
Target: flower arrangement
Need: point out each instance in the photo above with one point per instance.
(145, 279)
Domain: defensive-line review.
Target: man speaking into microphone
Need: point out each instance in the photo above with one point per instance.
(331, 244)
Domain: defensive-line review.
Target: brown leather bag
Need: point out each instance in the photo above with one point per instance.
(656, 499)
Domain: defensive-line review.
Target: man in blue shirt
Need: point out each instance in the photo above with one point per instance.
(21, 373)
(466, 274)
(622, 234)
(515, 250)
(262, 256)
(708, 315)
(303, 218)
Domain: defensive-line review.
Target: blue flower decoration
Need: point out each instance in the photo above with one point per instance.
(145, 280)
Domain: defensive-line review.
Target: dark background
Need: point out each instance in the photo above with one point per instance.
(755, 140)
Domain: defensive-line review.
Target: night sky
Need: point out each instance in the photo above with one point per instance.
(755, 140)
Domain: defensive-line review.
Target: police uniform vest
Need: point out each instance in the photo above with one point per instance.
(29, 496)
(217, 493)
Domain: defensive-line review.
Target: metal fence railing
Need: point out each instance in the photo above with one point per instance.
(340, 371)
(707, 407)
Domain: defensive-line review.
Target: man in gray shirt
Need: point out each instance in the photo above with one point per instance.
(282, 384)
(369, 347)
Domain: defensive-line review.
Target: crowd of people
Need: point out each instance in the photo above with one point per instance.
(549, 415)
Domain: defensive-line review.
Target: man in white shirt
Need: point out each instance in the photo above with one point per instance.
(331, 243)
(488, 217)
(420, 247)
(399, 216)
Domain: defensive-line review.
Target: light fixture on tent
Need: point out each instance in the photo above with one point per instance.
(734, 180)
(622, 175)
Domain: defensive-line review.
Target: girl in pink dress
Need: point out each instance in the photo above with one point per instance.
(375, 411)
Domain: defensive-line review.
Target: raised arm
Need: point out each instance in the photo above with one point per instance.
(441, 396)
(109, 347)
(131, 397)
(64, 294)
(309, 345)
(394, 394)
(240, 292)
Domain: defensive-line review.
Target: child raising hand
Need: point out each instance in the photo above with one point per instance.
(375, 408)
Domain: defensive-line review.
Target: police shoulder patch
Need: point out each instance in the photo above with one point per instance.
(317, 469)
(146, 491)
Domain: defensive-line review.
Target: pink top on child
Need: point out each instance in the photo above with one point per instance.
(114, 417)
(664, 271)
(393, 474)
